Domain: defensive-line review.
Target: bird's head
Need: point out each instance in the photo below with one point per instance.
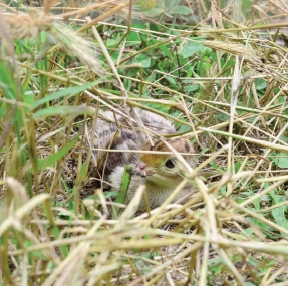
(164, 169)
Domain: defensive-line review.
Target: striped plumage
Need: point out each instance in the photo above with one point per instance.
(140, 130)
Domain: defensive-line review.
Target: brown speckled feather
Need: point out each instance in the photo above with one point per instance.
(162, 173)
(125, 134)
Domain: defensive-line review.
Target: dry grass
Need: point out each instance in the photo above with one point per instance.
(233, 232)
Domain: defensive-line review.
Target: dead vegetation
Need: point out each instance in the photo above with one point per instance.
(229, 96)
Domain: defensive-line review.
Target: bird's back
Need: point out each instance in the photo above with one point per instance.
(125, 131)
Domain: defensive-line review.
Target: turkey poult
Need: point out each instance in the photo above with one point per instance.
(160, 173)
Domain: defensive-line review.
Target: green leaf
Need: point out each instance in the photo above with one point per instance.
(260, 84)
(191, 48)
(261, 224)
(184, 128)
(281, 160)
(279, 213)
(284, 138)
(143, 267)
(223, 117)
(145, 5)
(146, 63)
(52, 159)
(191, 87)
(133, 38)
(154, 12)
(143, 60)
(171, 80)
(171, 4)
(183, 10)
(166, 51)
(111, 43)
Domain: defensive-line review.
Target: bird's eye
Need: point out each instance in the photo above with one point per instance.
(170, 164)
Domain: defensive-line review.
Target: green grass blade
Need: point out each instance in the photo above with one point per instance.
(62, 110)
(125, 181)
(8, 85)
(71, 91)
(50, 160)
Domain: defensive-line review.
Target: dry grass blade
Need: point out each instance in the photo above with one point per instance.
(239, 50)
(223, 84)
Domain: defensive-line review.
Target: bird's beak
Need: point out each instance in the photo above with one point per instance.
(142, 169)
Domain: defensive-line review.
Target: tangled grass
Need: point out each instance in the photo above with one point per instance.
(223, 83)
